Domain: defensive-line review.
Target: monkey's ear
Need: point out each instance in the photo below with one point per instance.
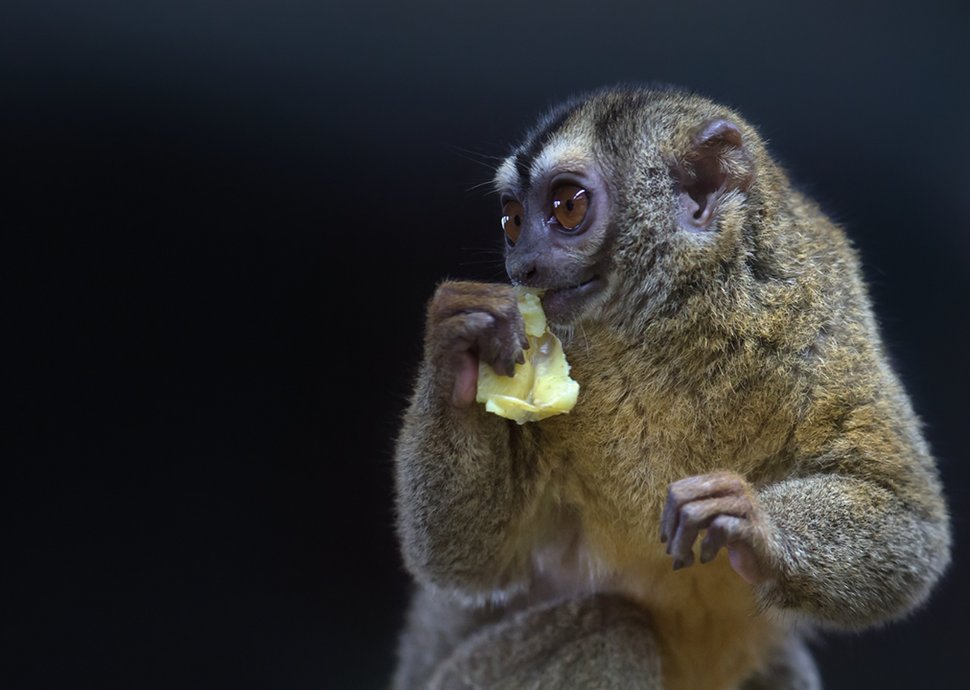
(716, 163)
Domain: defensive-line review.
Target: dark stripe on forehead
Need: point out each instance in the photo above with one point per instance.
(541, 134)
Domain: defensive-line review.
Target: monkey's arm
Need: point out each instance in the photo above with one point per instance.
(848, 551)
(464, 483)
(466, 479)
(862, 530)
(858, 536)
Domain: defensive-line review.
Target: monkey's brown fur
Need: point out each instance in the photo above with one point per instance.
(753, 350)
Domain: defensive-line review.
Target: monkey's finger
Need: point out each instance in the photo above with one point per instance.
(452, 353)
(512, 333)
(723, 530)
(465, 385)
(693, 489)
(488, 345)
(505, 361)
(500, 346)
(455, 358)
(741, 539)
(494, 352)
(454, 298)
(462, 332)
(697, 515)
(511, 326)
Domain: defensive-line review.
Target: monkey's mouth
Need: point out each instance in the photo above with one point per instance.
(563, 304)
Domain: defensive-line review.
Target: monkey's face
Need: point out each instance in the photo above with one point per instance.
(556, 220)
(625, 204)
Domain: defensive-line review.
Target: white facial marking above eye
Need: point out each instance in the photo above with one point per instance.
(562, 154)
(506, 178)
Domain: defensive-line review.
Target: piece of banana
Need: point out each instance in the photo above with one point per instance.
(540, 387)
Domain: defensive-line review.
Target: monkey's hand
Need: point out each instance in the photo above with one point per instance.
(469, 321)
(725, 505)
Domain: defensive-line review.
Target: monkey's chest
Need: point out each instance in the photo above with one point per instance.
(704, 617)
(607, 481)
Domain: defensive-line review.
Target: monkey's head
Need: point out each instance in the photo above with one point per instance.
(624, 204)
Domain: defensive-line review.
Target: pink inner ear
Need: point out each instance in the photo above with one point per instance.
(714, 164)
(697, 203)
(692, 216)
(690, 206)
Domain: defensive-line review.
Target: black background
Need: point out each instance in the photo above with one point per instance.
(221, 221)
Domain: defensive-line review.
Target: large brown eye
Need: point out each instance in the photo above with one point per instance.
(512, 214)
(569, 205)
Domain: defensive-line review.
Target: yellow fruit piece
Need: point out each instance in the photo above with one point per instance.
(540, 387)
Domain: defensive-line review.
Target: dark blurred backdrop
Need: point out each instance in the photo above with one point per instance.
(221, 221)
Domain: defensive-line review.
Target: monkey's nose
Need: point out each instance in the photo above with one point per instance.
(524, 274)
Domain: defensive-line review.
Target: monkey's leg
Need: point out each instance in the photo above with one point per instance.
(601, 642)
(436, 625)
(790, 667)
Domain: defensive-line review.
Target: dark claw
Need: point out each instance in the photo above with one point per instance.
(710, 545)
(665, 519)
